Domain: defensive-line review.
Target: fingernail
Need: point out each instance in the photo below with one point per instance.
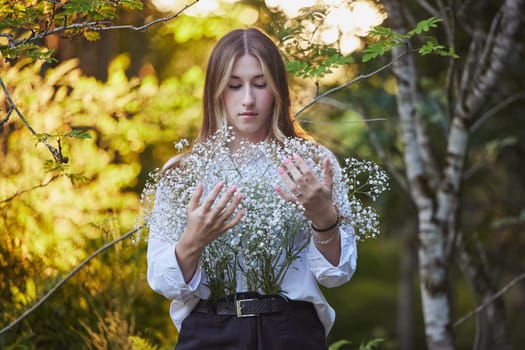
(295, 156)
(280, 170)
(286, 161)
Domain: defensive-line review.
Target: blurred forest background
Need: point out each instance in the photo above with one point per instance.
(136, 92)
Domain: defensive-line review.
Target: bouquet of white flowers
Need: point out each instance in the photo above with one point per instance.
(273, 231)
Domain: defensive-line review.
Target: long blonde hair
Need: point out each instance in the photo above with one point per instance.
(233, 45)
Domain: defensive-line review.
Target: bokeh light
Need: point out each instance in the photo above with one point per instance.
(342, 25)
(202, 8)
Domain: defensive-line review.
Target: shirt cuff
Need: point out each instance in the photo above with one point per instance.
(328, 274)
(167, 278)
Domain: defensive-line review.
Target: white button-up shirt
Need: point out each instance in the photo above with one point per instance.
(301, 281)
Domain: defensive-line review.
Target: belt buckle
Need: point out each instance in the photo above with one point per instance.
(238, 307)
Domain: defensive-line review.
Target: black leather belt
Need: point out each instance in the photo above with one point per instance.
(246, 306)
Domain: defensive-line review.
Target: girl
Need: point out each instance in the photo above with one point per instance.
(246, 89)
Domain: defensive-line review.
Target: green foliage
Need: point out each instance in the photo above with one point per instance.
(111, 332)
(369, 345)
(79, 134)
(25, 23)
(386, 39)
(339, 344)
(53, 215)
(307, 59)
(139, 343)
(424, 26)
(323, 61)
(52, 218)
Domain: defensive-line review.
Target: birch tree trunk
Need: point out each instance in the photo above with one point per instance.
(406, 294)
(434, 192)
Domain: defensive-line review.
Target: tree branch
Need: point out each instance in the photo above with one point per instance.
(372, 136)
(147, 25)
(490, 300)
(497, 108)
(68, 276)
(489, 42)
(347, 84)
(13, 107)
(57, 153)
(503, 44)
(19, 193)
(97, 26)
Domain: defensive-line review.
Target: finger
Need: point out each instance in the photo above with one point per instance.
(210, 199)
(328, 178)
(236, 219)
(290, 184)
(305, 170)
(284, 195)
(195, 197)
(223, 202)
(225, 215)
(294, 172)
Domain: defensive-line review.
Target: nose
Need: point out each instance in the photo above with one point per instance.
(248, 97)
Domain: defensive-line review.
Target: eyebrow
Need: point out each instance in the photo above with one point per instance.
(255, 77)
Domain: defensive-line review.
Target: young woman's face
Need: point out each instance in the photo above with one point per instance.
(248, 100)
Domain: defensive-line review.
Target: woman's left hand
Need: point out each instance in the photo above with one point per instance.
(314, 195)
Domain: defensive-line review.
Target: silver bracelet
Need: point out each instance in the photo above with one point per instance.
(325, 241)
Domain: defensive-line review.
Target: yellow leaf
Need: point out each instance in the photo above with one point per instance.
(92, 36)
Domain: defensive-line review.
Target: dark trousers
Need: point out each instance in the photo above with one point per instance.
(296, 328)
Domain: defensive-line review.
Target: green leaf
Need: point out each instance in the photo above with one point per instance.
(77, 178)
(425, 25)
(373, 50)
(79, 134)
(433, 47)
(91, 35)
(43, 137)
(371, 344)
(339, 344)
(132, 4)
(79, 6)
(289, 33)
(430, 47)
(381, 32)
(54, 166)
(452, 53)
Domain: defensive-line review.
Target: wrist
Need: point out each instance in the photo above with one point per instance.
(326, 234)
(326, 223)
(188, 248)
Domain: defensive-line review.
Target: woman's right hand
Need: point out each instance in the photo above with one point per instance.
(205, 223)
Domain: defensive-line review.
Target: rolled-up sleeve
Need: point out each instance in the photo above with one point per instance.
(327, 274)
(163, 271)
(164, 274)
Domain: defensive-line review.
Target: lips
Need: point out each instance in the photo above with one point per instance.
(248, 114)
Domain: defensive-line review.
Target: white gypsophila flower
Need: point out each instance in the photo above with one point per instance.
(273, 231)
(365, 180)
(181, 144)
